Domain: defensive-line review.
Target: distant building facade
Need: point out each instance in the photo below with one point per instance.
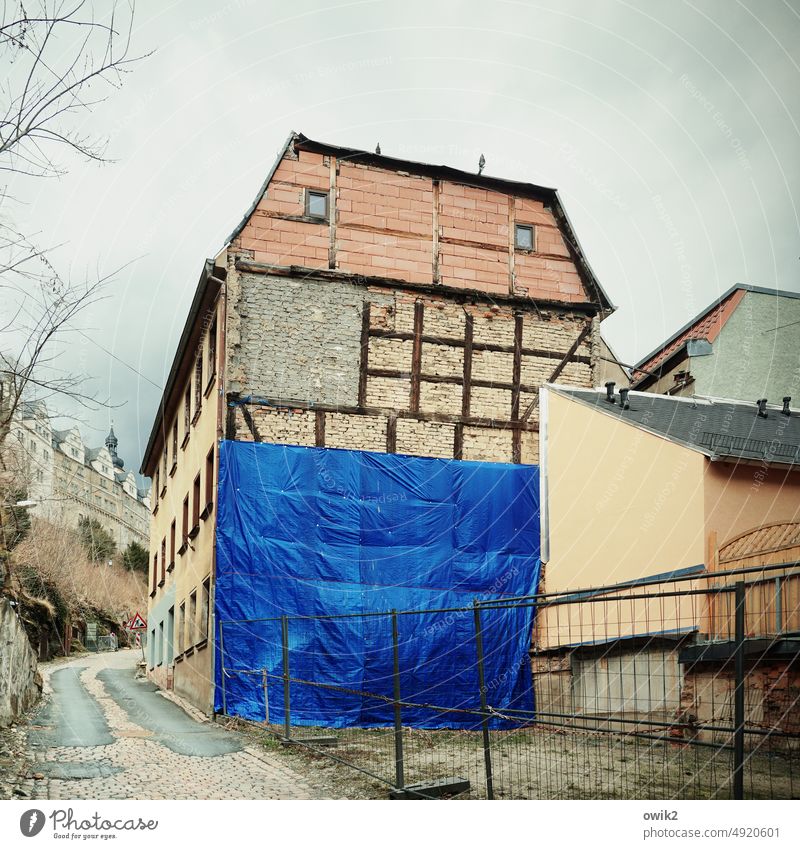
(69, 480)
(743, 346)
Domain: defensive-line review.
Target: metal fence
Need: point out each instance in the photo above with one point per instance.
(687, 688)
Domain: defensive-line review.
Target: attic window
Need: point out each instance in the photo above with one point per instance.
(523, 237)
(317, 204)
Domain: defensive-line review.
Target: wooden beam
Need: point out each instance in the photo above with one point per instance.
(332, 213)
(516, 436)
(364, 364)
(435, 248)
(516, 372)
(562, 365)
(454, 294)
(407, 336)
(511, 243)
(467, 391)
(391, 435)
(319, 428)
(445, 418)
(416, 355)
(458, 442)
(457, 380)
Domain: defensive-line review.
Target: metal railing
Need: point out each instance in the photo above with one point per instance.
(641, 690)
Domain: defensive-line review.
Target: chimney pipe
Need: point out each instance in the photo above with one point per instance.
(762, 407)
(623, 399)
(786, 401)
(610, 391)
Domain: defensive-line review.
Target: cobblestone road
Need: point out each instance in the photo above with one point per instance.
(102, 734)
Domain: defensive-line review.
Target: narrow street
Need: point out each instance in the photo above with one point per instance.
(101, 733)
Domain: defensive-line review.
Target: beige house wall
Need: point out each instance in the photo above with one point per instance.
(623, 503)
(191, 654)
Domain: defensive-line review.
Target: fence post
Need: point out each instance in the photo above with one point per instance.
(487, 754)
(266, 695)
(399, 779)
(222, 666)
(286, 705)
(738, 703)
(778, 604)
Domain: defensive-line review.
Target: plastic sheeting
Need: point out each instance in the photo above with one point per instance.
(318, 532)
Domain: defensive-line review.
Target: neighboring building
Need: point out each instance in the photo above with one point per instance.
(369, 303)
(68, 480)
(642, 488)
(742, 346)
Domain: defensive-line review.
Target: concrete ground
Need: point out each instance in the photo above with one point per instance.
(101, 733)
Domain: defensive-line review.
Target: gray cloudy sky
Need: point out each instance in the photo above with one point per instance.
(670, 130)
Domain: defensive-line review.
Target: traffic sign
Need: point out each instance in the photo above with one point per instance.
(137, 623)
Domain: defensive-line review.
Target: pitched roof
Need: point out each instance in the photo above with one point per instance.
(717, 427)
(706, 325)
(443, 172)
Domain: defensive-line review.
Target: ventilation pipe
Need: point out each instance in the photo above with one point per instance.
(610, 391)
(762, 407)
(786, 401)
(623, 399)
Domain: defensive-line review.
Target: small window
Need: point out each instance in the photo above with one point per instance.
(163, 560)
(198, 383)
(192, 618)
(174, 443)
(195, 508)
(212, 350)
(181, 627)
(205, 609)
(187, 410)
(172, 535)
(185, 528)
(523, 237)
(317, 204)
(209, 482)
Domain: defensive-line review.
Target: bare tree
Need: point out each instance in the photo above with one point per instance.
(43, 89)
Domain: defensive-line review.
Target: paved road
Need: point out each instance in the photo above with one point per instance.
(103, 734)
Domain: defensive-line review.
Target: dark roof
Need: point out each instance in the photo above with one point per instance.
(714, 305)
(717, 427)
(443, 172)
(208, 287)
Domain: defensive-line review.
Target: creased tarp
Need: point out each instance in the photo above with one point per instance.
(315, 531)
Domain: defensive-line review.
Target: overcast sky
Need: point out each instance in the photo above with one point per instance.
(670, 130)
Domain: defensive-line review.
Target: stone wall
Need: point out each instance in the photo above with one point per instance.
(20, 683)
(344, 365)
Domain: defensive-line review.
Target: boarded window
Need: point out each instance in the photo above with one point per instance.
(196, 504)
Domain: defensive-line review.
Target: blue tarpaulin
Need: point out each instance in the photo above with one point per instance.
(319, 532)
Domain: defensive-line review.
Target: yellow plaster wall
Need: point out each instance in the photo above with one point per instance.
(623, 503)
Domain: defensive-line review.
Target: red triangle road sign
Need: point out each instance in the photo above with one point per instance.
(137, 623)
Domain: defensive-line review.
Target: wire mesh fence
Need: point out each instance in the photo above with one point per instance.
(687, 688)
